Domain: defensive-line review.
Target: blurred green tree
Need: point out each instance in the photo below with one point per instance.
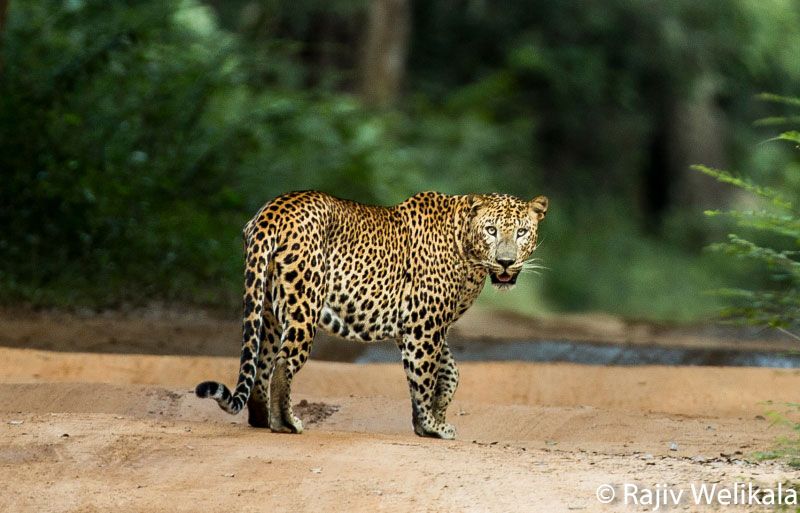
(137, 137)
(613, 85)
(109, 143)
(135, 141)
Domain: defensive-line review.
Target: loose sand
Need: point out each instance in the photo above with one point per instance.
(122, 432)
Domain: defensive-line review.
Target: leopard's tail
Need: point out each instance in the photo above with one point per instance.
(257, 254)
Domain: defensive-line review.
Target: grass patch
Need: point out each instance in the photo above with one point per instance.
(786, 448)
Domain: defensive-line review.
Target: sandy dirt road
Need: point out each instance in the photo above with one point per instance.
(88, 432)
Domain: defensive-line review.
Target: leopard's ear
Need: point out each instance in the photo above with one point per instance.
(539, 206)
(475, 201)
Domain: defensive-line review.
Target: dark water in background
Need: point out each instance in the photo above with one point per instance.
(573, 352)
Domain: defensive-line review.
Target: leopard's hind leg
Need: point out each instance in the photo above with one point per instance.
(258, 404)
(302, 302)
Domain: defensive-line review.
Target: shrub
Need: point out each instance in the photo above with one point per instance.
(774, 244)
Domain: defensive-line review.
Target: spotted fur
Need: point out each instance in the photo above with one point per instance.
(369, 273)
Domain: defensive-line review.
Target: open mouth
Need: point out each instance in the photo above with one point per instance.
(503, 278)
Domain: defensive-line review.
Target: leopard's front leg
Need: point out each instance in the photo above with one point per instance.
(446, 383)
(421, 363)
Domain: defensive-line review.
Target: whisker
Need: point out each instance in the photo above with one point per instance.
(535, 266)
(538, 243)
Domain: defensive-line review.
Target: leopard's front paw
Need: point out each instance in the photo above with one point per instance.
(441, 430)
(277, 426)
(281, 424)
(295, 424)
(447, 431)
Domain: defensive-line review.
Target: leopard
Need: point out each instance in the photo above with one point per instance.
(370, 273)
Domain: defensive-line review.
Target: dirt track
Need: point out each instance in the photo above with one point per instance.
(135, 445)
(101, 432)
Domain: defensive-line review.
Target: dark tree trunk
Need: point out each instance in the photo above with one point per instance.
(659, 174)
(686, 132)
(384, 52)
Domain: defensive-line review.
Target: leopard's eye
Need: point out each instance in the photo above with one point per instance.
(522, 232)
(491, 230)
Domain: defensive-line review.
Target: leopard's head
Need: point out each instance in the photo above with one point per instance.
(502, 235)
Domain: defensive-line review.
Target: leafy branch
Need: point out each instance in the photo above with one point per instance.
(779, 224)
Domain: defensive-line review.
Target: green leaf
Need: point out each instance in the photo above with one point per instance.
(776, 98)
(778, 120)
(781, 224)
(792, 136)
(727, 177)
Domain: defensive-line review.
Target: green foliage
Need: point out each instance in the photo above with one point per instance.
(774, 245)
(603, 79)
(777, 248)
(108, 145)
(642, 277)
(136, 139)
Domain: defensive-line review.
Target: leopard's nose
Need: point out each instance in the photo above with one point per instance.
(505, 262)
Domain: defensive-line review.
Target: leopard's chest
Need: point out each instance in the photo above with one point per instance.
(471, 288)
